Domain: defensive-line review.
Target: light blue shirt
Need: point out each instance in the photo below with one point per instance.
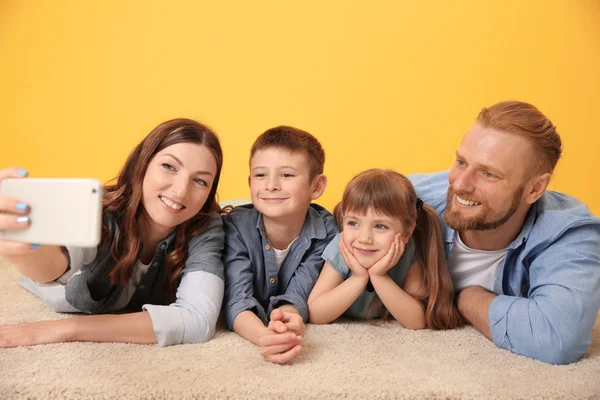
(549, 284)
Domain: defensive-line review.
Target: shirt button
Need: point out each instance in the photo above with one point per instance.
(142, 287)
(163, 246)
(155, 264)
(267, 247)
(272, 281)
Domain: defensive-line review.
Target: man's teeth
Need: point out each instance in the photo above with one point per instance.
(168, 202)
(466, 202)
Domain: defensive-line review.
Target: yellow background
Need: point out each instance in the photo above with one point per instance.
(390, 84)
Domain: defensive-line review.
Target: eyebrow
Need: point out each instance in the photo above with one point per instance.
(483, 166)
(181, 163)
(280, 167)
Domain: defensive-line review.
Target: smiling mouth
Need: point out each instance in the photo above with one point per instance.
(465, 202)
(273, 199)
(364, 251)
(170, 203)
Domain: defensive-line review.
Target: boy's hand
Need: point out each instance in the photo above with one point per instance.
(284, 321)
(350, 260)
(392, 257)
(279, 348)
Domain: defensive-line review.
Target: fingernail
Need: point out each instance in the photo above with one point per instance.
(22, 220)
(35, 246)
(21, 206)
(22, 172)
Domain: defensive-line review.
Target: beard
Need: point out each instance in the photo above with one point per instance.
(485, 220)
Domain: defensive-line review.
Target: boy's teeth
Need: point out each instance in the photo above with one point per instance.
(168, 202)
(466, 202)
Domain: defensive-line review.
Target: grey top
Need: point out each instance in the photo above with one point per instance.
(360, 307)
(252, 280)
(191, 318)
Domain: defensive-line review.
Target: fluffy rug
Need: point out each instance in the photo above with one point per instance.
(340, 360)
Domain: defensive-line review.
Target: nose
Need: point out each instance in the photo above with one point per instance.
(273, 183)
(180, 187)
(365, 235)
(464, 181)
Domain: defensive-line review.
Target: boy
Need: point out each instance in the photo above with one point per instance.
(273, 246)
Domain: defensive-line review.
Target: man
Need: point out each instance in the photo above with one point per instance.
(524, 261)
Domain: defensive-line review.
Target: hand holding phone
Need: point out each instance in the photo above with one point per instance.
(54, 211)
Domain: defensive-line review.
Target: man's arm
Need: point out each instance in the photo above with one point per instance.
(554, 322)
(473, 304)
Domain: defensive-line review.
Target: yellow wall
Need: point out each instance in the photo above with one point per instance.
(380, 83)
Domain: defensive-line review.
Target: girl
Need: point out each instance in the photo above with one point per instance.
(377, 266)
(159, 260)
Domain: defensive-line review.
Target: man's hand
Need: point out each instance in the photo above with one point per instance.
(391, 258)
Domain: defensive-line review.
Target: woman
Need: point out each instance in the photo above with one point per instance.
(159, 260)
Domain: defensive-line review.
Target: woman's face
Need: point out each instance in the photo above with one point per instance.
(176, 185)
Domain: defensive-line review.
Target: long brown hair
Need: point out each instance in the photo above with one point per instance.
(392, 194)
(123, 199)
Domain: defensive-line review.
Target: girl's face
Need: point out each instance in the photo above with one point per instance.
(176, 185)
(369, 236)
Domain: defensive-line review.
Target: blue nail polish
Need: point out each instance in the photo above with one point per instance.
(35, 246)
(21, 206)
(22, 220)
(22, 172)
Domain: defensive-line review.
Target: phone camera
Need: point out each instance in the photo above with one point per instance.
(93, 190)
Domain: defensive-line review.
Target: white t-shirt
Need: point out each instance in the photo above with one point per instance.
(469, 267)
(281, 254)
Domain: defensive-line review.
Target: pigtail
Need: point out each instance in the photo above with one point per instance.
(440, 311)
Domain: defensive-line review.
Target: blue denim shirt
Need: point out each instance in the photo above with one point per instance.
(251, 278)
(549, 285)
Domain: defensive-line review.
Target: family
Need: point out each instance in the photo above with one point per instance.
(484, 243)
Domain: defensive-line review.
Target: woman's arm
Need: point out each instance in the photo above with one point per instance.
(125, 328)
(403, 307)
(332, 295)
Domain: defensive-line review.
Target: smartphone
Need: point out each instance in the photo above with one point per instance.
(64, 211)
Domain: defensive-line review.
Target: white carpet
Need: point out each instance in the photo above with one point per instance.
(342, 360)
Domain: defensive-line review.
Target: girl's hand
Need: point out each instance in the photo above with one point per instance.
(350, 260)
(392, 257)
(13, 215)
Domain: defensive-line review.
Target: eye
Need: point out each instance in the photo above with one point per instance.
(489, 175)
(287, 175)
(168, 167)
(461, 163)
(201, 182)
(259, 175)
(380, 227)
(352, 223)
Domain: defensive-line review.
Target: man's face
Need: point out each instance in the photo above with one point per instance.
(487, 179)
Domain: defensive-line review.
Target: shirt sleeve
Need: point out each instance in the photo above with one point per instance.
(554, 323)
(192, 318)
(304, 279)
(239, 291)
(333, 257)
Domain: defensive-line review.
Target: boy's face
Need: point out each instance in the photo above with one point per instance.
(280, 184)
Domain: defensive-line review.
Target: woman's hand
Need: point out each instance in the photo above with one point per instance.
(391, 258)
(14, 214)
(32, 333)
(350, 260)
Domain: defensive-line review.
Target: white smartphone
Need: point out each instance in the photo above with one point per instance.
(64, 211)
